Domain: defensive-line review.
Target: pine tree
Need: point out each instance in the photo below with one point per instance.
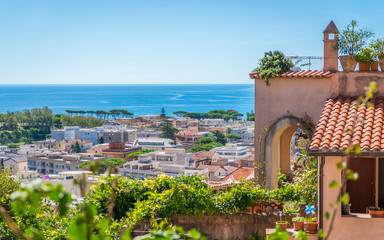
(162, 115)
(167, 130)
(76, 148)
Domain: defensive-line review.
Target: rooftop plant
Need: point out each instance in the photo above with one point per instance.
(352, 39)
(366, 55)
(272, 64)
(378, 46)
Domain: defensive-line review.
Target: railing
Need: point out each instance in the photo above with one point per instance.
(307, 62)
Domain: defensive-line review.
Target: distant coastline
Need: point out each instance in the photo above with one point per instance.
(139, 99)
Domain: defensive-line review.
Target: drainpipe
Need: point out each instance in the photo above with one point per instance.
(321, 192)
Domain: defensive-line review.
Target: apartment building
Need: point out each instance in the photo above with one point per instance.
(171, 155)
(232, 152)
(84, 145)
(154, 143)
(54, 163)
(119, 150)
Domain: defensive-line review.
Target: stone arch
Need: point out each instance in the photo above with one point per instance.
(278, 148)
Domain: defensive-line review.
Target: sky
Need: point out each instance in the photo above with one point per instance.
(162, 42)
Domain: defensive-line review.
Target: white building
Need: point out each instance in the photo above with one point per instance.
(154, 143)
(171, 155)
(232, 152)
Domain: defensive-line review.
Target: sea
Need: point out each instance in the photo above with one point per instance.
(138, 99)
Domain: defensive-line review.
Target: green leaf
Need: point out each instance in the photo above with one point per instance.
(356, 149)
(341, 165)
(194, 234)
(345, 198)
(321, 234)
(301, 235)
(327, 215)
(334, 184)
(127, 234)
(78, 229)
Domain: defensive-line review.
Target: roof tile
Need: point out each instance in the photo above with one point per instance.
(298, 74)
(337, 129)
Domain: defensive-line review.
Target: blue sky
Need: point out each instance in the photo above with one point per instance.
(173, 42)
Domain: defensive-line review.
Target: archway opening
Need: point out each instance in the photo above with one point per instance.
(284, 144)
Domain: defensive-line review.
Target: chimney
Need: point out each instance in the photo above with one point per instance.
(331, 56)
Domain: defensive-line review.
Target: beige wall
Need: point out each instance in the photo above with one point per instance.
(295, 97)
(284, 97)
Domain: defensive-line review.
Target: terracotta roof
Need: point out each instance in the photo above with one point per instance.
(203, 155)
(241, 173)
(331, 28)
(188, 133)
(73, 141)
(336, 129)
(298, 74)
(210, 167)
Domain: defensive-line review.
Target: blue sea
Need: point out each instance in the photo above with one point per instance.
(138, 99)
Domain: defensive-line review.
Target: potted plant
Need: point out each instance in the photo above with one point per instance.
(311, 223)
(283, 224)
(350, 42)
(376, 211)
(365, 57)
(378, 47)
(298, 223)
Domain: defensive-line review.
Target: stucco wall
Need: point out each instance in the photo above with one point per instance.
(347, 227)
(290, 97)
(231, 226)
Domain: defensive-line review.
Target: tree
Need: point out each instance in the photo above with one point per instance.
(272, 64)
(205, 140)
(76, 148)
(232, 137)
(229, 130)
(219, 137)
(179, 113)
(167, 130)
(103, 165)
(8, 184)
(251, 116)
(162, 115)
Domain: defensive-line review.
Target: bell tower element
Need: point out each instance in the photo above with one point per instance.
(331, 55)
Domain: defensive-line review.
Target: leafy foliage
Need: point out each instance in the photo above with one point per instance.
(205, 147)
(35, 124)
(378, 47)
(352, 40)
(103, 165)
(272, 64)
(219, 137)
(366, 55)
(167, 130)
(215, 114)
(206, 140)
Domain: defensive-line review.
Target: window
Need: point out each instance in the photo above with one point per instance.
(77, 167)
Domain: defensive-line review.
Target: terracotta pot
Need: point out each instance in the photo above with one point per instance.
(298, 225)
(374, 66)
(311, 227)
(363, 66)
(283, 225)
(381, 62)
(376, 213)
(348, 63)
